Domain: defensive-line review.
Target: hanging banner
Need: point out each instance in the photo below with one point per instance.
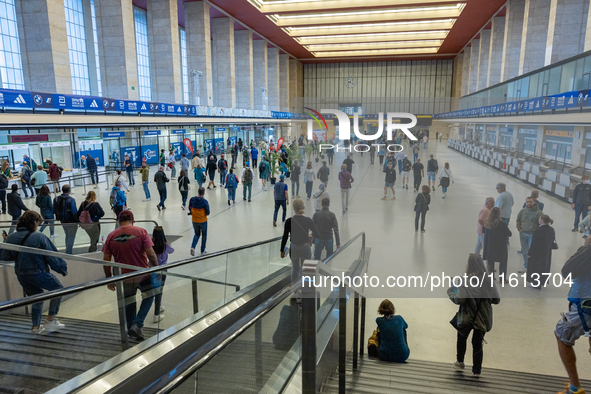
(233, 140)
(150, 154)
(178, 149)
(14, 146)
(134, 154)
(96, 154)
(54, 144)
(208, 146)
(219, 145)
(189, 145)
(281, 140)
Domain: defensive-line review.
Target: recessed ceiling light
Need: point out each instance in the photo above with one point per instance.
(372, 24)
(377, 34)
(382, 11)
(376, 52)
(427, 43)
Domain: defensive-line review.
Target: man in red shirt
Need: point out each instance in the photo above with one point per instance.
(132, 245)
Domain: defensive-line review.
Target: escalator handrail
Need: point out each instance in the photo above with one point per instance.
(103, 282)
(349, 242)
(56, 222)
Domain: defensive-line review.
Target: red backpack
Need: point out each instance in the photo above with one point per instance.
(85, 219)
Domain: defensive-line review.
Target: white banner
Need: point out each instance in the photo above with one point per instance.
(89, 142)
(54, 144)
(14, 146)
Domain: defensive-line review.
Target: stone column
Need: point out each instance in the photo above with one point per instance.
(296, 86)
(44, 45)
(259, 60)
(273, 78)
(483, 59)
(512, 40)
(577, 155)
(466, 71)
(540, 141)
(515, 142)
(533, 37)
(244, 69)
(284, 85)
(566, 29)
(223, 39)
(474, 65)
(165, 59)
(496, 50)
(197, 30)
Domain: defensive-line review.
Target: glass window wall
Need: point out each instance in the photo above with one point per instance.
(143, 54)
(77, 44)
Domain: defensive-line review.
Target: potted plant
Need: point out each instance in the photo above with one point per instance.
(273, 163)
(309, 151)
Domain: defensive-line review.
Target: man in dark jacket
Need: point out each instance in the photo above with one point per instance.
(432, 168)
(323, 173)
(3, 187)
(64, 208)
(54, 175)
(581, 200)
(160, 179)
(15, 206)
(326, 223)
(390, 180)
(92, 169)
(349, 163)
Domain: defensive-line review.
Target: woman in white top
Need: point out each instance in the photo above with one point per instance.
(309, 177)
(319, 195)
(444, 178)
(121, 179)
(172, 162)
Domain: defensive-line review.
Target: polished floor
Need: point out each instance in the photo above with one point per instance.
(522, 336)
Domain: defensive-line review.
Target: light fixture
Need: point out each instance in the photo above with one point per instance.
(386, 44)
(372, 24)
(381, 11)
(376, 52)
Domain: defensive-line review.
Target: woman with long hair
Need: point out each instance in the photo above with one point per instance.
(184, 187)
(89, 221)
(162, 249)
(45, 204)
(444, 178)
(309, 177)
(392, 342)
(540, 253)
(496, 232)
(475, 312)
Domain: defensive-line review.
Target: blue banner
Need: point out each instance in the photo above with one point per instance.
(235, 129)
(151, 132)
(208, 145)
(220, 129)
(113, 134)
(219, 145)
(82, 103)
(134, 155)
(16, 98)
(43, 100)
(172, 109)
(134, 106)
(179, 131)
(233, 140)
(150, 154)
(179, 149)
(96, 154)
(201, 130)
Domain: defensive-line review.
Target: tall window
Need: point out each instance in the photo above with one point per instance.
(96, 51)
(77, 46)
(143, 54)
(11, 68)
(184, 69)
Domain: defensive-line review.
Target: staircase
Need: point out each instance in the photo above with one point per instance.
(375, 376)
(33, 363)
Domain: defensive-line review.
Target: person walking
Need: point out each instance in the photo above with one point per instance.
(295, 179)
(15, 206)
(92, 168)
(64, 208)
(185, 163)
(3, 187)
(264, 169)
(381, 154)
(54, 175)
(425, 140)
(326, 223)
(196, 161)
(120, 178)
(118, 199)
(299, 236)
(45, 204)
(231, 186)
(349, 163)
(184, 188)
(128, 163)
(234, 154)
(160, 179)
(319, 195)
(38, 179)
(330, 154)
(581, 200)
(345, 181)
(539, 255)
(132, 246)
(415, 152)
(489, 203)
(254, 154)
(418, 173)
(222, 170)
(400, 156)
(432, 168)
(172, 164)
(406, 167)
(211, 169)
(389, 181)
(309, 178)
(89, 214)
(162, 158)
(26, 174)
(200, 174)
(445, 178)
(33, 270)
(247, 177)
(323, 173)
(496, 232)
(162, 249)
(474, 314)
(527, 223)
(372, 154)
(281, 199)
(199, 210)
(145, 172)
(422, 202)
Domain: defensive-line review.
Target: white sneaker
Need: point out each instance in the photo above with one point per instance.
(157, 318)
(53, 325)
(162, 308)
(54, 236)
(38, 330)
(183, 207)
(204, 252)
(443, 196)
(192, 252)
(147, 199)
(459, 365)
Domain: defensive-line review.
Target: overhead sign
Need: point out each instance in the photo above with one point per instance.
(16, 99)
(29, 138)
(220, 129)
(180, 131)
(201, 130)
(560, 133)
(152, 132)
(135, 106)
(14, 146)
(83, 103)
(89, 142)
(54, 144)
(150, 154)
(113, 134)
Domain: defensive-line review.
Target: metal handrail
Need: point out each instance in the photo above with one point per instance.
(7, 305)
(55, 222)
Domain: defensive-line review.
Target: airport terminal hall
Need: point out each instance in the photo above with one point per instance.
(295, 196)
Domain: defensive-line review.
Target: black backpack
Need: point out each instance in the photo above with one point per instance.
(62, 209)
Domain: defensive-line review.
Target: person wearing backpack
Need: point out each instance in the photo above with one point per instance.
(432, 168)
(54, 175)
(118, 199)
(64, 208)
(43, 201)
(89, 214)
(121, 179)
(231, 185)
(26, 174)
(222, 170)
(264, 169)
(15, 206)
(406, 167)
(211, 168)
(246, 178)
(184, 187)
(160, 179)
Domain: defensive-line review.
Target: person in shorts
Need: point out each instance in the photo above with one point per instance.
(571, 325)
(406, 166)
(390, 180)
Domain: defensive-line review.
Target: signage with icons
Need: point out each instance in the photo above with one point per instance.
(560, 133)
(220, 129)
(89, 142)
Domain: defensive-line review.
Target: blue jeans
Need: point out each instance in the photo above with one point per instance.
(47, 215)
(415, 156)
(130, 178)
(232, 193)
(247, 187)
(24, 186)
(146, 190)
(320, 244)
(35, 284)
(431, 176)
(295, 188)
(223, 177)
(200, 229)
(158, 296)
(399, 166)
(479, 244)
(443, 189)
(525, 240)
(13, 226)
(162, 193)
(93, 175)
(70, 231)
(132, 315)
(173, 171)
(280, 203)
(184, 195)
(309, 186)
(580, 209)
(424, 145)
